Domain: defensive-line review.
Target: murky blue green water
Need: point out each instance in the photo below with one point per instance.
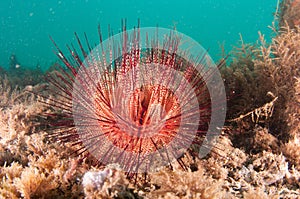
(25, 26)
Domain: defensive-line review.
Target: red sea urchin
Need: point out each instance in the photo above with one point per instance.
(139, 99)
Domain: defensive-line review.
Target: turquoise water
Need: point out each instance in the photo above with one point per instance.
(25, 26)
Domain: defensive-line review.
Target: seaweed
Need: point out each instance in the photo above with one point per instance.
(289, 13)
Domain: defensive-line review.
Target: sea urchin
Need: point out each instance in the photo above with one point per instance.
(139, 99)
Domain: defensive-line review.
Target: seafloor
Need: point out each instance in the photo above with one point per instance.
(257, 154)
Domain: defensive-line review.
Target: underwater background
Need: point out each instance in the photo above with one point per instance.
(25, 26)
(44, 155)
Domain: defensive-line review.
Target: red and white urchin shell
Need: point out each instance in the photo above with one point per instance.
(140, 99)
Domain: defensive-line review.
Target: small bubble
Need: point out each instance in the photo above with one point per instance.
(31, 14)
